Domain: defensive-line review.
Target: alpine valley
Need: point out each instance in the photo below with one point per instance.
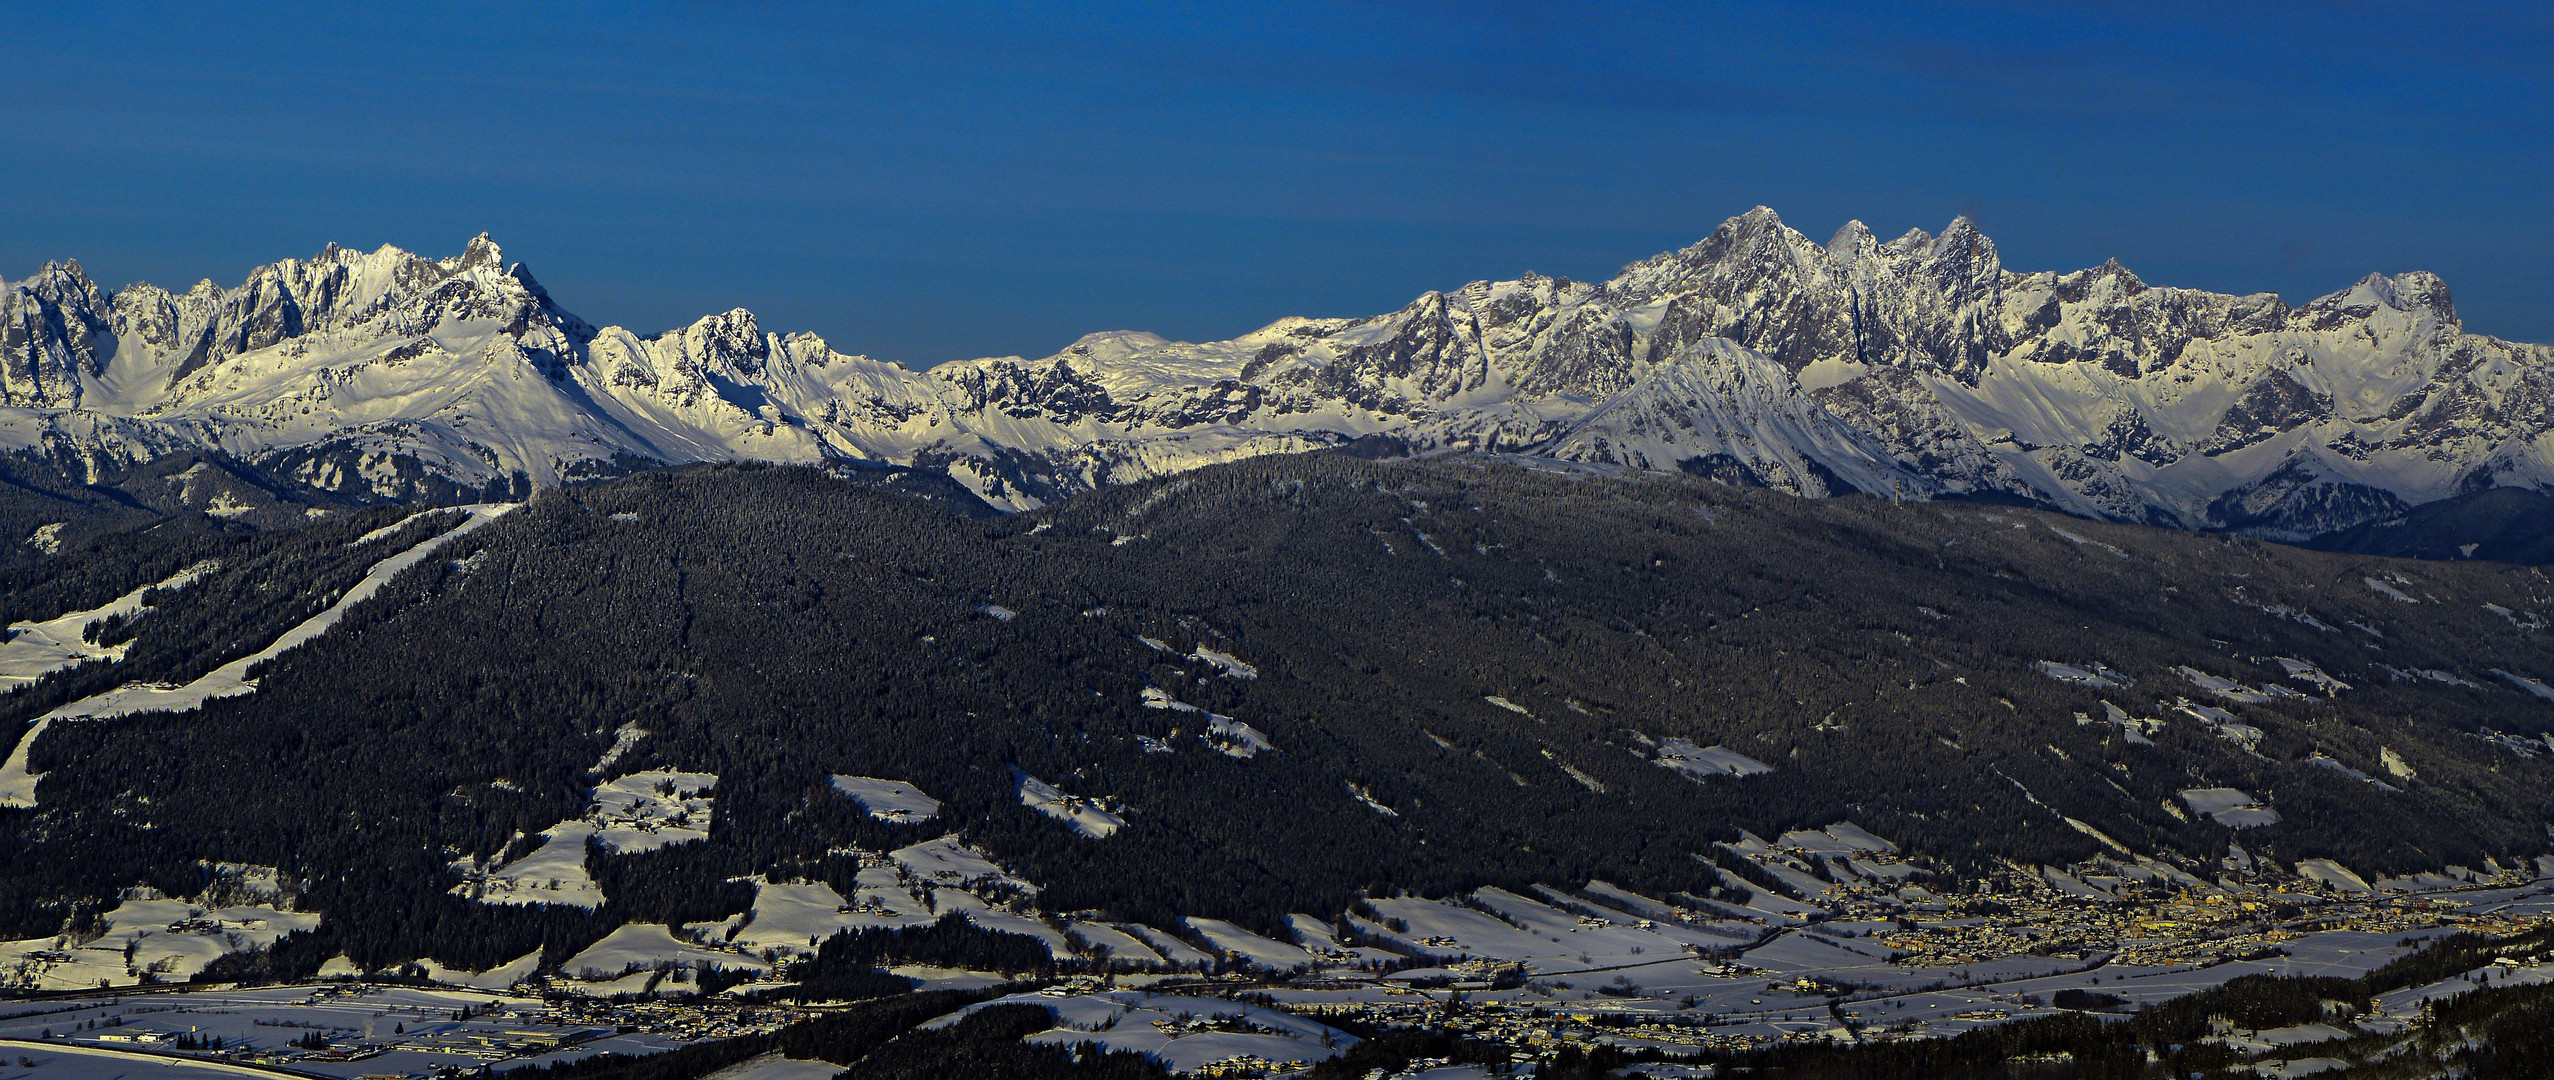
(1782, 659)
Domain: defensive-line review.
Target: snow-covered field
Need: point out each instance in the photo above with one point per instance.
(1124, 949)
(892, 801)
(1701, 761)
(402, 1030)
(1258, 951)
(645, 811)
(1085, 815)
(2332, 873)
(773, 1066)
(2231, 807)
(1183, 1033)
(789, 919)
(500, 977)
(553, 873)
(948, 861)
(644, 946)
(59, 1061)
(167, 939)
(32, 650)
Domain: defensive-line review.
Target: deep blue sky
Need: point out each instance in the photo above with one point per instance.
(989, 179)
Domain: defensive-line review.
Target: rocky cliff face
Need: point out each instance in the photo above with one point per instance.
(1915, 367)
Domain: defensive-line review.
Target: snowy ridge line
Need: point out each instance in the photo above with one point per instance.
(1911, 367)
(17, 785)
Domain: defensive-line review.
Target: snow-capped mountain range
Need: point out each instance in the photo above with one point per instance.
(1917, 367)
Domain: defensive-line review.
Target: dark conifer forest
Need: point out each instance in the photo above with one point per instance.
(776, 626)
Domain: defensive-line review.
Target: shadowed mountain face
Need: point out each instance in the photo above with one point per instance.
(1918, 366)
(1280, 683)
(2501, 524)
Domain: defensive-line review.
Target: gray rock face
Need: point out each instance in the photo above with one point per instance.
(1917, 367)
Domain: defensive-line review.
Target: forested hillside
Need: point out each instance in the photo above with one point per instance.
(1291, 681)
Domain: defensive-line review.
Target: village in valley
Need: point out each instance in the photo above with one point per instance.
(1851, 945)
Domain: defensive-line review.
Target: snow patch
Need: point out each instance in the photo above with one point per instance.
(1234, 737)
(2326, 761)
(1231, 666)
(2524, 683)
(2098, 676)
(2388, 591)
(1086, 816)
(2429, 674)
(624, 739)
(639, 812)
(1368, 798)
(2135, 729)
(2333, 874)
(2231, 807)
(2306, 672)
(893, 801)
(2227, 689)
(1697, 762)
(2532, 622)
(1585, 781)
(2221, 722)
(2087, 541)
(1224, 733)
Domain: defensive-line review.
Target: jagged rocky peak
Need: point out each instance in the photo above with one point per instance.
(1853, 241)
(1964, 255)
(731, 338)
(49, 329)
(479, 252)
(2413, 292)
